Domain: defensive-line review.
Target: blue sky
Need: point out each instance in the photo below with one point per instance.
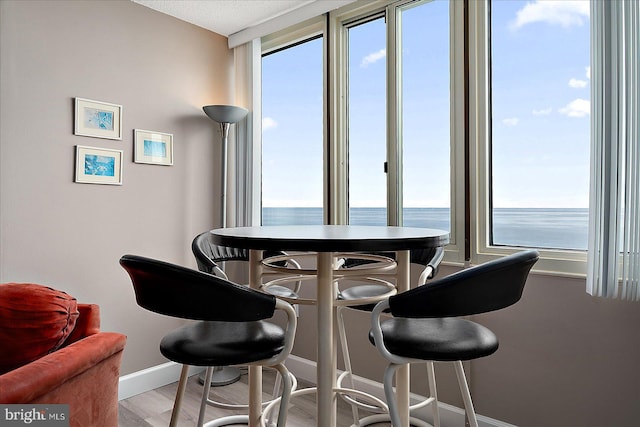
(541, 81)
(540, 110)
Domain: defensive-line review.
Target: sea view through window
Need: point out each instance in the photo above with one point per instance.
(550, 228)
(540, 113)
(530, 184)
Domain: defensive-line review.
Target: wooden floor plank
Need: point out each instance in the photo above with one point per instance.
(153, 408)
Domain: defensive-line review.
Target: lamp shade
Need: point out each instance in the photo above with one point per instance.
(225, 113)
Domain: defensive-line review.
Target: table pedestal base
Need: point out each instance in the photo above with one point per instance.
(222, 376)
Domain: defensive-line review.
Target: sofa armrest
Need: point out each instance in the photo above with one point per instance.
(28, 382)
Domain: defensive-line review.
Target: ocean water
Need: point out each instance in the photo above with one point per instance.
(537, 228)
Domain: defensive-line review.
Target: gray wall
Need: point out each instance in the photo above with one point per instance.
(70, 236)
(566, 359)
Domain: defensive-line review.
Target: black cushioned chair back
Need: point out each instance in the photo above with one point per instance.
(480, 289)
(182, 292)
(208, 254)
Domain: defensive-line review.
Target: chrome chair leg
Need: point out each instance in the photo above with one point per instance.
(205, 395)
(389, 374)
(184, 375)
(394, 414)
(466, 395)
(286, 394)
(342, 333)
(276, 386)
(431, 375)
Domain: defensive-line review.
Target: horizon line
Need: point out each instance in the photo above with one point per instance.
(428, 207)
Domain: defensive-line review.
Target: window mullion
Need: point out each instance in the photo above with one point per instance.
(336, 153)
(394, 116)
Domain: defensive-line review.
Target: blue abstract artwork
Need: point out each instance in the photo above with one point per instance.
(155, 148)
(98, 119)
(99, 165)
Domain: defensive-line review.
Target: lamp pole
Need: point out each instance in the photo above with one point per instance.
(225, 115)
(224, 128)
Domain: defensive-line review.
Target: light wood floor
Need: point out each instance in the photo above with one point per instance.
(153, 408)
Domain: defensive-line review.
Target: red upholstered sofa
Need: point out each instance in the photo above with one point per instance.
(54, 353)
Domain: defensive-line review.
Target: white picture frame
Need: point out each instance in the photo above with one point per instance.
(97, 119)
(154, 148)
(98, 165)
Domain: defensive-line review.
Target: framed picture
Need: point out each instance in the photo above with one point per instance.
(98, 165)
(98, 119)
(154, 148)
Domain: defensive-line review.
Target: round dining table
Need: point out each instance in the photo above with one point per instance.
(326, 242)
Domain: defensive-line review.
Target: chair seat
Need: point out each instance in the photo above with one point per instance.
(223, 343)
(363, 291)
(440, 339)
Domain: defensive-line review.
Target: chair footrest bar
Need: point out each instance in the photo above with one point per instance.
(230, 420)
(373, 405)
(267, 411)
(235, 406)
(384, 418)
(423, 403)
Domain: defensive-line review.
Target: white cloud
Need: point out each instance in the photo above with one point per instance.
(581, 83)
(373, 57)
(566, 13)
(577, 83)
(268, 123)
(511, 121)
(543, 112)
(577, 108)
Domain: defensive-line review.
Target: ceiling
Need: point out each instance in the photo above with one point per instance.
(225, 17)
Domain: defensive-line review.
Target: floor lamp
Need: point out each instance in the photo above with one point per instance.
(225, 115)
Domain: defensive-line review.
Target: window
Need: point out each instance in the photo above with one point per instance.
(292, 135)
(539, 124)
(367, 118)
(419, 186)
(529, 131)
(422, 119)
(426, 115)
(389, 122)
(399, 114)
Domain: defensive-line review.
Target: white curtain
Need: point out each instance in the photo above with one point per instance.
(613, 266)
(246, 152)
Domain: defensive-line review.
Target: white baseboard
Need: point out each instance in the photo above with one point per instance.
(303, 369)
(151, 378)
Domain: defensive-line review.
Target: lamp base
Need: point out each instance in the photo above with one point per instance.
(221, 376)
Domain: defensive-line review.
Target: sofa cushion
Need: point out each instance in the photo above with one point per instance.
(34, 320)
